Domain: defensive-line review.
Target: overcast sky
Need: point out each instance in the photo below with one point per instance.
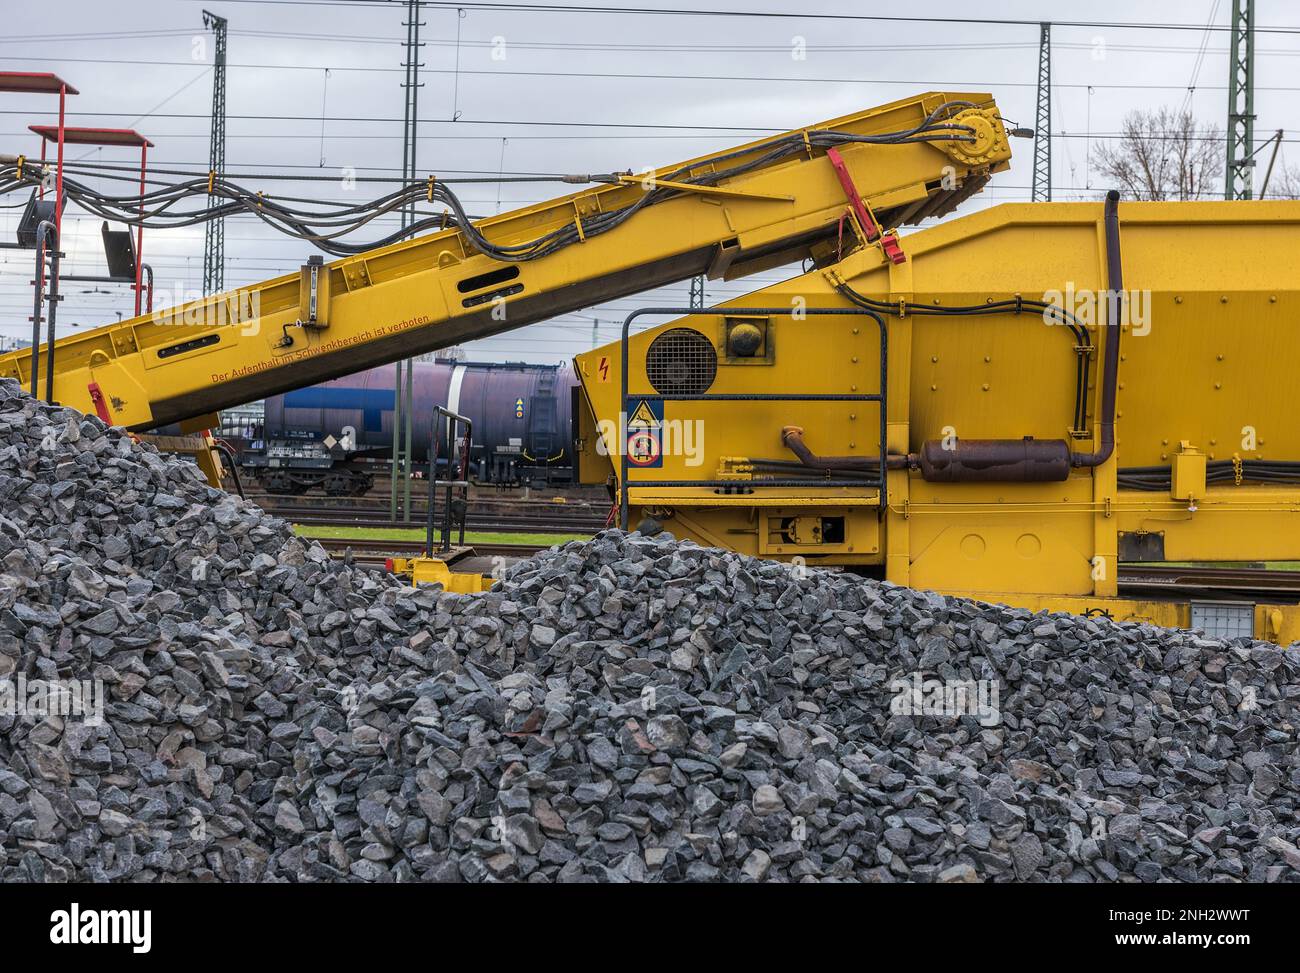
(539, 110)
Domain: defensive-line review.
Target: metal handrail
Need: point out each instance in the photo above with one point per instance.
(43, 230)
(460, 481)
(880, 397)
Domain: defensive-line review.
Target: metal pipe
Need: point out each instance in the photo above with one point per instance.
(42, 231)
(966, 461)
(397, 440)
(58, 182)
(1025, 460)
(1268, 173)
(463, 472)
(792, 439)
(224, 448)
(50, 318)
(435, 446)
(1110, 367)
(139, 233)
(445, 546)
(38, 283)
(408, 451)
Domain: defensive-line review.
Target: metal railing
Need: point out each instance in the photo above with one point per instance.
(879, 397)
(451, 484)
(44, 231)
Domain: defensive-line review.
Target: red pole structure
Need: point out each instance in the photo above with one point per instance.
(77, 135)
(58, 245)
(139, 232)
(58, 186)
(29, 82)
(40, 263)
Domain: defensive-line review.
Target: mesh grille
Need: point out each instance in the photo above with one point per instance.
(1224, 620)
(681, 361)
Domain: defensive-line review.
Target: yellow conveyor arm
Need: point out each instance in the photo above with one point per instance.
(727, 214)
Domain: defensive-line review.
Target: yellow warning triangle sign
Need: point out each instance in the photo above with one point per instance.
(644, 417)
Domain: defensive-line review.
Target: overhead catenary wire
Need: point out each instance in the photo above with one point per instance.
(642, 76)
(527, 122)
(592, 48)
(108, 170)
(1200, 60)
(585, 9)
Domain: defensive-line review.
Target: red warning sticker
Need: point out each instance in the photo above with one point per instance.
(643, 447)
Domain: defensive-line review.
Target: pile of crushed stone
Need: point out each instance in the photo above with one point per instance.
(626, 709)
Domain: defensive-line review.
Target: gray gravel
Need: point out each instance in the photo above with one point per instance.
(629, 709)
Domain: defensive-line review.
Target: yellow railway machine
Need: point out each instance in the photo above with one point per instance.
(1025, 405)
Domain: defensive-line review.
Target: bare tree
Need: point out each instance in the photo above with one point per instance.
(1164, 155)
(1285, 183)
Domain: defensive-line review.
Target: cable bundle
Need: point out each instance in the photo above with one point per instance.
(325, 224)
(1217, 473)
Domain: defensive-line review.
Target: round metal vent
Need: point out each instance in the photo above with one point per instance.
(681, 361)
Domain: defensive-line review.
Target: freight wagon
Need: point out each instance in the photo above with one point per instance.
(338, 435)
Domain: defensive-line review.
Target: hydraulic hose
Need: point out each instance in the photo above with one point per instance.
(1015, 305)
(1110, 366)
(792, 437)
(324, 224)
(224, 448)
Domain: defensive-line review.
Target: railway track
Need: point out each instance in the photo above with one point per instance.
(419, 499)
(1211, 581)
(483, 514)
(318, 517)
(376, 553)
